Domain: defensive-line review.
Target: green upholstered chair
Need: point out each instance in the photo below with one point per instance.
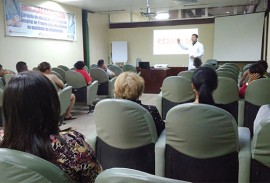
(175, 90)
(93, 66)
(65, 68)
(17, 166)
(105, 85)
(126, 135)
(260, 150)
(61, 72)
(209, 65)
(64, 98)
(86, 69)
(228, 69)
(7, 78)
(228, 74)
(125, 175)
(84, 93)
(246, 67)
(58, 75)
(226, 96)
(129, 67)
(202, 143)
(2, 85)
(186, 74)
(257, 94)
(117, 70)
(213, 62)
(231, 65)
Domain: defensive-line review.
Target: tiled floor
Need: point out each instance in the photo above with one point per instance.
(85, 123)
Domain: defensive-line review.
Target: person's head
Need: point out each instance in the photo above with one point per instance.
(101, 63)
(128, 85)
(21, 66)
(257, 68)
(263, 64)
(204, 82)
(79, 65)
(197, 62)
(44, 67)
(194, 38)
(31, 112)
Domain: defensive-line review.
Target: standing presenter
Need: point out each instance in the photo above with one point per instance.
(195, 50)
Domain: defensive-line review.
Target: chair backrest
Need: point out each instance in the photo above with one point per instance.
(126, 135)
(61, 72)
(92, 93)
(93, 66)
(128, 67)
(58, 75)
(209, 65)
(246, 67)
(117, 70)
(260, 149)
(213, 62)
(99, 74)
(65, 68)
(186, 74)
(17, 166)
(7, 78)
(64, 98)
(124, 175)
(228, 74)
(2, 85)
(201, 144)
(257, 94)
(226, 95)
(175, 90)
(228, 69)
(231, 65)
(75, 79)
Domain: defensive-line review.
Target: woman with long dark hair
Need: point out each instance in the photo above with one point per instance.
(31, 112)
(204, 82)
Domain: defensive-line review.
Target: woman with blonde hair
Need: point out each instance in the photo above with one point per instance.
(130, 86)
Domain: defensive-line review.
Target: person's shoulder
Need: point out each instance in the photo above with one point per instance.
(71, 134)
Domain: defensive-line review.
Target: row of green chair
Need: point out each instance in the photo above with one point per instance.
(201, 143)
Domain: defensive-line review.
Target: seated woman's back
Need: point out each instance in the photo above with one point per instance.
(34, 128)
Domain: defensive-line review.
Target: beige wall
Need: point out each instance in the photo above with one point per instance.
(98, 37)
(33, 50)
(140, 44)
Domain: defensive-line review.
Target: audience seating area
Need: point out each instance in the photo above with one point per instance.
(200, 143)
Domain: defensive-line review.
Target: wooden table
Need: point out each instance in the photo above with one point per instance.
(153, 78)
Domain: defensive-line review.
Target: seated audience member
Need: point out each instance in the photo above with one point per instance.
(197, 62)
(4, 72)
(21, 66)
(79, 68)
(34, 129)
(204, 82)
(256, 71)
(103, 66)
(45, 69)
(130, 86)
(264, 66)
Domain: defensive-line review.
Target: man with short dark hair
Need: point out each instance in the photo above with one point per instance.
(21, 66)
(195, 49)
(101, 64)
(197, 62)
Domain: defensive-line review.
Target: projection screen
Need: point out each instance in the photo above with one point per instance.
(238, 38)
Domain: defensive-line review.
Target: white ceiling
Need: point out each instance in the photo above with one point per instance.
(110, 6)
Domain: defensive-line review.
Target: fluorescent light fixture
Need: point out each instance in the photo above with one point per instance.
(162, 16)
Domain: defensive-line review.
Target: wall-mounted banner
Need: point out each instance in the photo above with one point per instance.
(32, 21)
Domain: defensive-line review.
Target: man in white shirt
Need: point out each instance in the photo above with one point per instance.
(195, 50)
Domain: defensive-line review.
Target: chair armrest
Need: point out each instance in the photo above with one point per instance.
(160, 154)
(244, 154)
(111, 87)
(159, 103)
(92, 92)
(241, 108)
(91, 140)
